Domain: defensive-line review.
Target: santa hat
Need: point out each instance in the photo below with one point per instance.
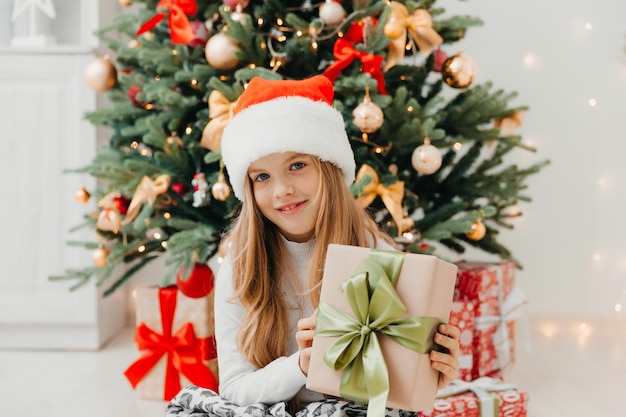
(281, 116)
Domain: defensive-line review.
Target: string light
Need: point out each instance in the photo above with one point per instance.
(593, 102)
(588, 26)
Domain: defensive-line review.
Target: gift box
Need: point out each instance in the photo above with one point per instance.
(175, 334)
(491, 287)
(462, 316)
(483, 397)
(378, 313)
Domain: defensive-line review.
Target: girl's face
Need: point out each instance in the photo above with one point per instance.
(286, 189)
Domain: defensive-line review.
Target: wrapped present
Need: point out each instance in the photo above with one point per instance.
(175, 334)
(462, 316)
(497, 301)
(483, 397)
(378, 313)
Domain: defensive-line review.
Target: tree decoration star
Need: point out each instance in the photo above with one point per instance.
(20, 6)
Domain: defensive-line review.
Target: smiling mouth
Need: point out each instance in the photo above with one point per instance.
(289, 208)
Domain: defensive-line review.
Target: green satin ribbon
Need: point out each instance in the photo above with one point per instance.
(371, 294)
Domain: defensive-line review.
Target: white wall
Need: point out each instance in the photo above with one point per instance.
(570, 239)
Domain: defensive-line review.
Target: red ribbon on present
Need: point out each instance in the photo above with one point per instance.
(345, 53)
(185, 352)
(177, 21)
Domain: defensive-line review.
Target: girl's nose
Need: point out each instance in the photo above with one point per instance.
(283, 188)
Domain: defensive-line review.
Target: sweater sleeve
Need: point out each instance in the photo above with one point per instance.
(239, 381)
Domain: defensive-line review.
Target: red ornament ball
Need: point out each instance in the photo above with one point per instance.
(198, 283)
(133, 90)
(121, 204)
(440, 57)
(200, 34)
(179, 188)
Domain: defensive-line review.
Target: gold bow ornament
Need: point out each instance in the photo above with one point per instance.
(418, 24)
(391, 196)
(146, 192)
(220, 112)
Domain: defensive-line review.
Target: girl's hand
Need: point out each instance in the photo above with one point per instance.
(446, 363)
(304, 337)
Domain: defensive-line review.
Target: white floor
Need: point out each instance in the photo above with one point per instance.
(574, 368)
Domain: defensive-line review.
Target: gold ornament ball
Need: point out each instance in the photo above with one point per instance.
(478, 231)
(220, 190)
(368, 116)
(220, 52)
(100, 74)
(124, 3)
(99, 257)
(395, 27)
(426, 159)
(82, 196)
(332, 13)
(458, 71)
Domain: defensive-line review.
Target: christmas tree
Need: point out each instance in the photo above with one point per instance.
(431, 145)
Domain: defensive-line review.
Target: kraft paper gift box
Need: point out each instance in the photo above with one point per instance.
(483, 397)
(175, 335)
(462, 316)
(497, 300)
(395, 375)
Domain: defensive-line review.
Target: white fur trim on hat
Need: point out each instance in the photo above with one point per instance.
(285, 124)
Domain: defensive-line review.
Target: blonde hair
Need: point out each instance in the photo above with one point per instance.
(257, 256)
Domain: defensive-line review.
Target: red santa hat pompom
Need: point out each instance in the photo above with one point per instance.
(285, 116)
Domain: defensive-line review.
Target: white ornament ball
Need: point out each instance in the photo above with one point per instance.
(368, 116)
(332, 13)
(100, 74)
(220, 52)
(426, 159)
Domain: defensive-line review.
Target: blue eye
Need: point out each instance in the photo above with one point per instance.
(261, 177)
(298, 165)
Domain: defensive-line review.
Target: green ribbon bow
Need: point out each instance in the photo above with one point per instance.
(371, 293)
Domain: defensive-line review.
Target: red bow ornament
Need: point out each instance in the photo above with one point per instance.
(180, 28)
(185, 353)
(345, 53)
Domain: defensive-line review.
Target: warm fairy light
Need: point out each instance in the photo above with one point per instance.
(260, 21)
(223, 78)
(167, 215)
(299, 33)
(529, 142)
(157, 78)
(279, 21)
(457, 146)
(134, 145)
(588, 26)
(220, 259)
(194, 82)
(530, 60)
(188, 130)
(251, 66)
(157, 235)
(410, 109)
(144, 152)
(133, 293)
(174, 52)
(618, 307)
(263, 45)
(164, 244)
(148, 106)
(141, 249)
(378, 150)
(314, 45)
(282, 38)
(593, 102)
(548, 330)
(340, 34)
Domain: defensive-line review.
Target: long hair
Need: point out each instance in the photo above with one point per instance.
(257, 255)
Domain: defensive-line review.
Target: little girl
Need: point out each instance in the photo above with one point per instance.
(290, 163)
